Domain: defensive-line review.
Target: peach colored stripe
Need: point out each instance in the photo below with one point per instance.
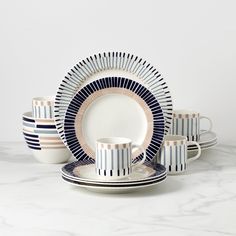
(102, 92)
(174, 143)
(55, 147)
(113, 146)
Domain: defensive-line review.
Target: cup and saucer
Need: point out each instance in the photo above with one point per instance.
(114, 170)
(188, 123)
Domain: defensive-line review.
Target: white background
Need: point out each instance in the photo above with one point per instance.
(192, 43)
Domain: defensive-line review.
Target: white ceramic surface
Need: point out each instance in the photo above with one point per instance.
(52, 156)
(86, 173)
(115, 190)
(108, 111)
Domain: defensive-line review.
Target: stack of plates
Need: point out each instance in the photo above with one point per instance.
(112, 95)
(207, 140)
(82, 174)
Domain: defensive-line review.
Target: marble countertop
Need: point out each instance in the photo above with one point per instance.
(35, 201)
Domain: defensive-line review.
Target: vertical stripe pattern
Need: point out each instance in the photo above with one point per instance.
(43, 111)
(113, 162)
(188, 127)
(174, 157)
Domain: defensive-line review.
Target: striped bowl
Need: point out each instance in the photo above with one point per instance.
(42, 138)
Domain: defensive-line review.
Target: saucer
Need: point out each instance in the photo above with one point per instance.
(204, 147)
(84, 171)
(207, 137)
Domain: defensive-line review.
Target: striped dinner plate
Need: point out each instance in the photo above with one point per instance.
(109, 107)
(108, 65)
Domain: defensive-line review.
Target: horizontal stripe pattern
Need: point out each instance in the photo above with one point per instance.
(158, 119)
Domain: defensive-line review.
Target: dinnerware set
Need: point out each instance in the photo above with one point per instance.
(114, 112)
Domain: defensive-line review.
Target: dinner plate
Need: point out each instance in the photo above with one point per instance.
(111, 188)
(108, 65)
(113, 107)
(84, 171)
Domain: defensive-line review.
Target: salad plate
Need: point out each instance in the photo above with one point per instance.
(113, 107)
(108, 65)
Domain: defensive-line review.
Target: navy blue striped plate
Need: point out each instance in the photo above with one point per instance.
(76, 143)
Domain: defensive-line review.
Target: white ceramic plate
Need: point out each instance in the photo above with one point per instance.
(113, 107)
(207, 137)
(84, 171)
(113, 189)
(108, 65)
(204, 147)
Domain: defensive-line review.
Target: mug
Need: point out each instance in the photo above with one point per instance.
(43, 107)
(173, 153)
(187, 123)
(114, 157)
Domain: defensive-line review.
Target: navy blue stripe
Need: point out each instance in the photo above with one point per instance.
(32, 147)
(46, 126)
(145, 94)
(31, 135)
(28, 120)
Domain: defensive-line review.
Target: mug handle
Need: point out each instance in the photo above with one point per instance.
(198, 154)
(210, 122)
(144, 155)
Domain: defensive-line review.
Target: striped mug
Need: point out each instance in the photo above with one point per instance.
(173, 153)
(187, 123)
(114, 157)
(43, 107)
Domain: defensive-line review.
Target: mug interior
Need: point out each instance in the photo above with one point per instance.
(44, 99)
(114, 140)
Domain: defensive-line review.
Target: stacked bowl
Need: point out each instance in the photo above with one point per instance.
(40, 132)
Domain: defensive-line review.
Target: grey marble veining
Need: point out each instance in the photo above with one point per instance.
(35, 201)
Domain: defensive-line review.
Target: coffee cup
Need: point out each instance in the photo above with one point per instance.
(114, 157)
(173, 153)
(43, 107)
(187, 123)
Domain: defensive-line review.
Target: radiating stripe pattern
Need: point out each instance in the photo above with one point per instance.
(113, 162)
(174, 157)
(112, 82)
(189, 127)
(126, 64)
